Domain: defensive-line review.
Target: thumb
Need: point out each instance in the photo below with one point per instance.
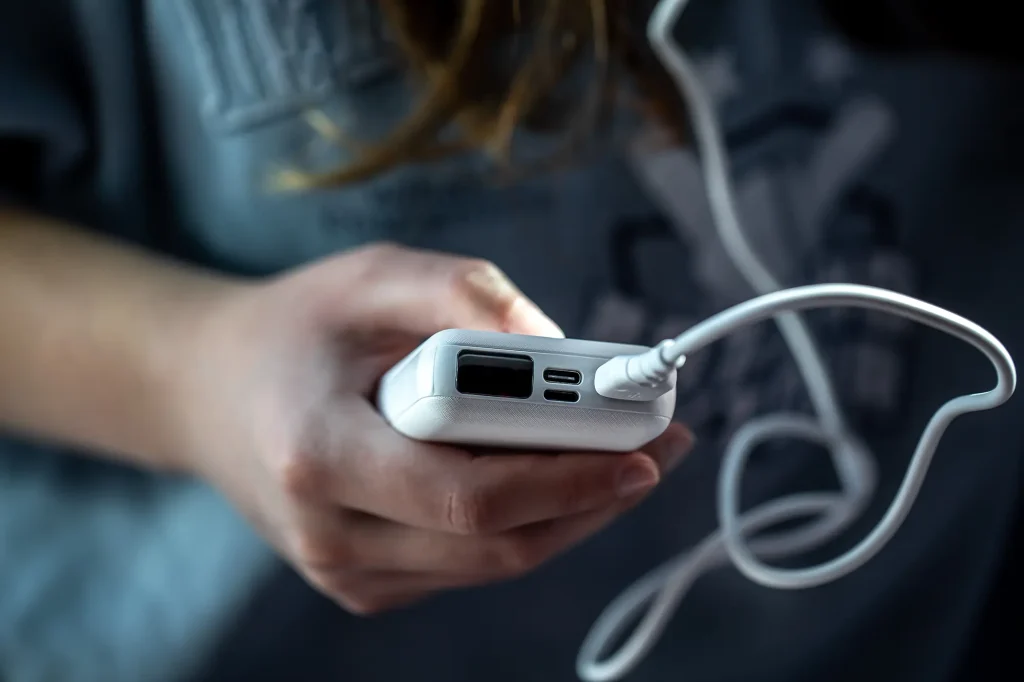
(517, 314)
(423, 292)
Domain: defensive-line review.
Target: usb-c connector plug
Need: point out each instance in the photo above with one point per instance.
(638, 378)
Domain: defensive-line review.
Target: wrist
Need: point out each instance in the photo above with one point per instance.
(185, 354)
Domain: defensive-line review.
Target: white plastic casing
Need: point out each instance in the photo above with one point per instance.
(420, 399)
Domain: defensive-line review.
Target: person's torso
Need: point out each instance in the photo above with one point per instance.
(891, 172)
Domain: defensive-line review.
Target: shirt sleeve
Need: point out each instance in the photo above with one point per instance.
(42, 127)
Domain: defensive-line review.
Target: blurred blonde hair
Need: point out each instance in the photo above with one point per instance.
(492, 66)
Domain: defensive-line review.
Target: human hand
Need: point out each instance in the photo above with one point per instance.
(282, 422)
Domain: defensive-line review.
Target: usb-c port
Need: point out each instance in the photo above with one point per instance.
(563, 376)
(562, 396)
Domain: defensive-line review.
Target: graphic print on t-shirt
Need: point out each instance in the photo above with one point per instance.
(264, 59)
(271, 85)
(801, 173)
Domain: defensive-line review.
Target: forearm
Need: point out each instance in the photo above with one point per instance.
(95, 340)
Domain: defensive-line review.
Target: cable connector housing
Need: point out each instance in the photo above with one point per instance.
(638, 378)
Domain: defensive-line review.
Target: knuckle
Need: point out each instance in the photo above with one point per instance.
(364, 263)
(514, 556)
(381, 251)
(327, 556)
(363, 606)
(471, 268)
(470, 511)
(345, 590)
(301, 476)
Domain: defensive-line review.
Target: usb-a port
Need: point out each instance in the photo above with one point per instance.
(563, 376)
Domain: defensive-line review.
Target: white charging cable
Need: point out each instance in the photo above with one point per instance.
(644, 377)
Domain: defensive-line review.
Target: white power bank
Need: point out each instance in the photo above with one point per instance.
(489, 389)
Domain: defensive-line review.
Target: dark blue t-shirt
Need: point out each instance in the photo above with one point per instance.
(160, 122)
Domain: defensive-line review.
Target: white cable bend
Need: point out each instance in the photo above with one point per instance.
(831, 295)
(644, 377)
(669, 584)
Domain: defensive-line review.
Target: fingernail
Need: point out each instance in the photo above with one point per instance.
(524, 316)
(637, 478)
